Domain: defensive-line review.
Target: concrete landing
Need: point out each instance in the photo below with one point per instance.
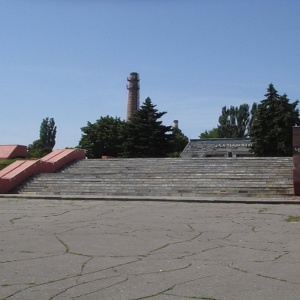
(58, 249)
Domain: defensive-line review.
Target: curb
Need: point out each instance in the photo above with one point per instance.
(245, 200)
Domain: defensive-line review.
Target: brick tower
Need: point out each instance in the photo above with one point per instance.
(175, 124)
(133, 87)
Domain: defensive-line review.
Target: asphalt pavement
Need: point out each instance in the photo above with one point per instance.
(90, 249)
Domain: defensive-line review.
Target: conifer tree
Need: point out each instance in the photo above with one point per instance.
(271, 130)
(177, 142)
(144, 134)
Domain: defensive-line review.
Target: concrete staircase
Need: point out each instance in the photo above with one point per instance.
(257, 177)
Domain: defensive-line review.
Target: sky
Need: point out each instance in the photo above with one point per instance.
(70, 59)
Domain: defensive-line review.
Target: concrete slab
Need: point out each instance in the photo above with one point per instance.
(65, 249)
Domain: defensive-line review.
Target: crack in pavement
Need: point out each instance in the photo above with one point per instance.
(162, 271)
(273, 278)
(157, 294)
(107, 249)
(230, 265)
(25, 259)
(197, 253)
(76, 275)
(174, 243)
(256, 249)
(12, 221)
(172, 288)
(93, 292)
(57, 214)
(86, 282)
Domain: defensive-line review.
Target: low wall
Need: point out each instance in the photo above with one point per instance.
(59, 158)
(14, 174)
(12, 151)
(17, 172)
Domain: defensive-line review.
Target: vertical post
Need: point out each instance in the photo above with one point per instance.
(296, 160)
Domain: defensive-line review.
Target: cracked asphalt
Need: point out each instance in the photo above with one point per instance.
(63, 249)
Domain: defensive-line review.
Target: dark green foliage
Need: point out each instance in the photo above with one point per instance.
(104, 137)
(233, 122)
(48, 133)
(145, 136)
(37, 150)
(46, 142)
(178, 141)
(271, 130)
(211, 134)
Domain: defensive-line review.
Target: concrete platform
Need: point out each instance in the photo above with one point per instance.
(91, 249)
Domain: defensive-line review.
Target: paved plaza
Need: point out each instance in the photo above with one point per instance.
(64, 249)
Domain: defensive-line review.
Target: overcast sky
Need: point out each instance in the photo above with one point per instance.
(69, 60)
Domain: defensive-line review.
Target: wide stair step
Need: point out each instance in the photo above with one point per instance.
(257, 177)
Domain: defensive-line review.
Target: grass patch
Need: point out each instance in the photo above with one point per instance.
(293, 219)
(6, 162)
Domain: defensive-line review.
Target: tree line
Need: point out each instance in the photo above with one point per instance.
(268, 124)
(143, 135)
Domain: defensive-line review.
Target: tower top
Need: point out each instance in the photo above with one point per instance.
(133, 76)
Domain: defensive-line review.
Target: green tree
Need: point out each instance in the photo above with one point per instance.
(178, 141)
(36, 150)
(48, 133)
(211, 134)
(104, 137)
(271, 130)
(252, 114)
(233, 122)
(145, 136)
(46, 142)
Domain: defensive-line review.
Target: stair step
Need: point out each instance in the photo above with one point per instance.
(168, 177)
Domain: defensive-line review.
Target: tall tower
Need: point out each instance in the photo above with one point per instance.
(133, 87)
(175, 124)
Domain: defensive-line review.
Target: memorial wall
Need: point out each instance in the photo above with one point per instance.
(217, 148)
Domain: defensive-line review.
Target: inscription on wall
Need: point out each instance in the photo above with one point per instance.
(232, 145)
